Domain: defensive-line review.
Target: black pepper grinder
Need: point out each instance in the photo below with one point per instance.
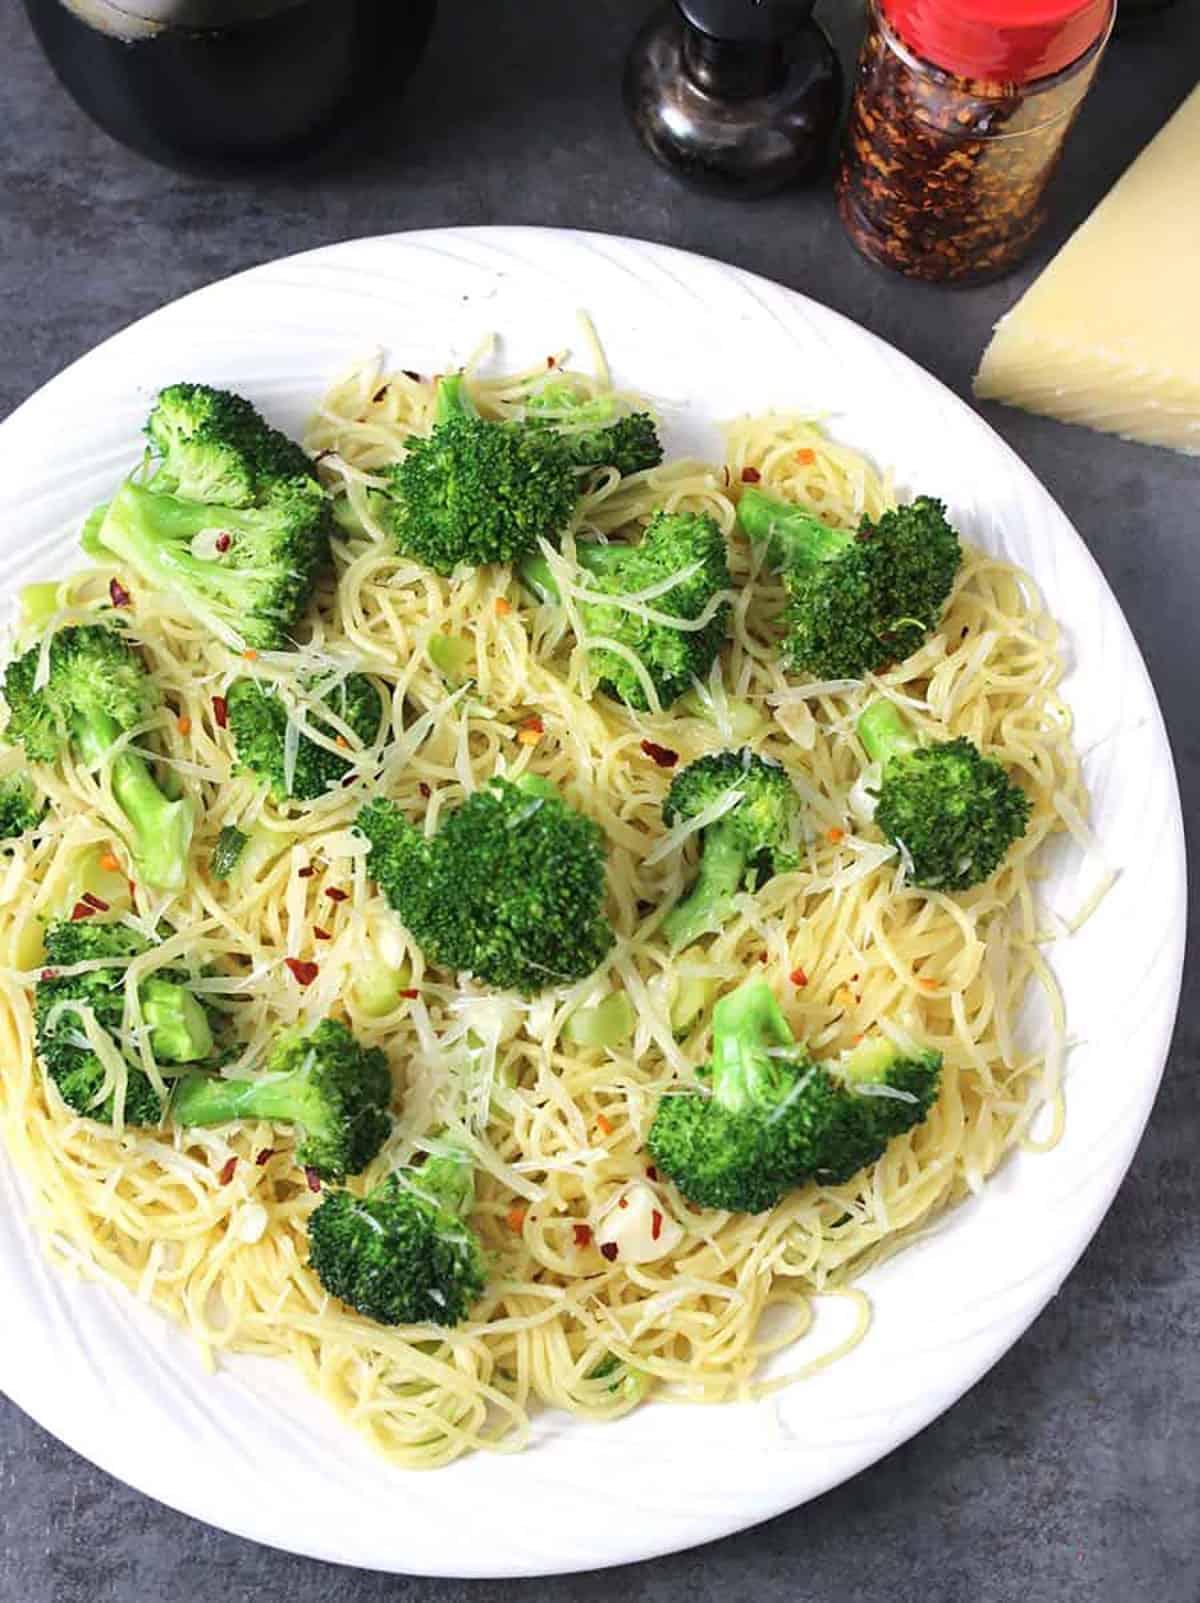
(736, 96)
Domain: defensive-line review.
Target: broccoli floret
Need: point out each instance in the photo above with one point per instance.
(856, 601)
(752, 841)
(404, 1254)
(180, 1031)
(337, 1093)
(97, 688)
(231, 842)
(246, 573)
(594, 430)
(686, 546)
(478, 491)
(21, 808)
(510, 888)
(774, 1118)
(952, 812)
(215, 447)
(258, 720)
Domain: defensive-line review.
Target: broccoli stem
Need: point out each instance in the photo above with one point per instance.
(793, 537)
(706, 906)
(536, 576)
(206, 1100)
(453, 399)
(885, 732)
(179, 1027)
(745, 1023)
(162, 829)
(590, 555)
(448, 1178)
(153, 532)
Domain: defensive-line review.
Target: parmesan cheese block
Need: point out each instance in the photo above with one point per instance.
(1109, 335)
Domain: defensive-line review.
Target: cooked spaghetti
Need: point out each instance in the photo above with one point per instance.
(209, 1225)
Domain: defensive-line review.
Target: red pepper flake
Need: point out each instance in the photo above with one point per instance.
(132, 891)
(250, 654)
(624, 1202)
(118, 594)
(306, 872)
(95, 902)
(223, 542)
(410, 994)
(662, 755)
(313, 1179)
(603, 1125)
(342, 743)
(656, 1224)
(408, 373)
(265, 1156)
(583, 1235)
(534, 725)
(303, 973)
(48, 974)
(349, 780)
(750, 476)
(806, 456)
(336, 895)
(220, 712)
(425, 790)
(798, 977)
(81, 910)
(608, 1249)
(379, 394)
(551, 361)
(515, 1219)
(226, 1174)
(320, 934)
(651, 1172)
(833, 836)
(762, 957)
(503, 606)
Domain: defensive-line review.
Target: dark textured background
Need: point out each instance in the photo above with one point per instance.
(1071, 1474)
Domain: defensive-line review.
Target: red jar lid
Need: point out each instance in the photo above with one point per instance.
(1012, 40)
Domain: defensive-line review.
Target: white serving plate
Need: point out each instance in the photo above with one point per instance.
(252, 1450)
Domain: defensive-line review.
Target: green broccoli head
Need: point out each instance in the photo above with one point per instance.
(774, 1119)
(404, 1254)
(595, 432)
(214, 446)
(477, 491)
(335, 1091)
(96, 688)
(756, 837)
(952, 812)
(686, 546)
(510, 888)
(856, 602)
(258, 720)
(21, 808)
(246, 573)
(180, 1029)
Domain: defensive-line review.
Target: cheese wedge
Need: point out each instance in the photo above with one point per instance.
(1109, 335)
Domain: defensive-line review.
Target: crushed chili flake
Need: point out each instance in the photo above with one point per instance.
(835, 835)
(425, 790)
(515, 1219)
(805, 456)
(750, 476)
(95, 902)
(927, 984)
(349, 780)
(336, 895)
(320, 934)
(48, 974)
(503, 605)
(227, 1169)
(313, 1179)
(408, 373)
(340, 740)
(118, 594)
(608, 1249)
(762, 957)
(623, 1203)
(110, 863)
(265, 1156)
(220, 709)
(534, 725)
(250, 654)
(583, 1235)
(81, 910)
(223, 542)
(306, 872)
(410, 993)
(379, 394)
(132, 891)
(656, 1224)
(798, 977)
(184, 724)
(651, 1172)
(303, 973)
(551, 361)
(603, 1125)
(662, 755)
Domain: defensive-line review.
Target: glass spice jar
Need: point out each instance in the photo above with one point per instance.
(956, 126)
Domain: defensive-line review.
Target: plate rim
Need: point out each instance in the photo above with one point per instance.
(1007, 1331)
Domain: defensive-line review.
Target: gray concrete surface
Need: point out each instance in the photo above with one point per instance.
(1071, 1474)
